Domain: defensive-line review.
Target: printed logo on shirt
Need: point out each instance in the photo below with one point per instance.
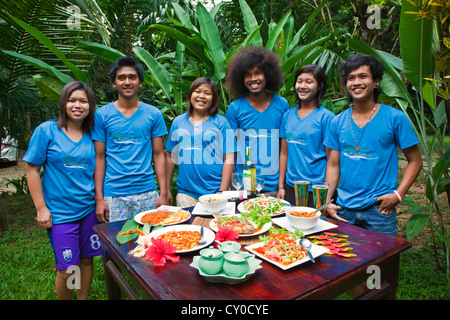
(71, 162)
(261, 133)
(363, 153)
(67, 255)
(120, 137)
(300, 139)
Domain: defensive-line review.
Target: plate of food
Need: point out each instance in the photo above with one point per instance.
(264, 206)
(184, 237)
(245, 227)
(281, 248)
(162, 217)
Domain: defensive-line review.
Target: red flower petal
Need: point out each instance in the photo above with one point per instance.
(160, 251)
(226, 234)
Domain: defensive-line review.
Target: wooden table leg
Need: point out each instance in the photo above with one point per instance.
(113, 291)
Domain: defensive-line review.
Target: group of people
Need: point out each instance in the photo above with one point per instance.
(100, 165)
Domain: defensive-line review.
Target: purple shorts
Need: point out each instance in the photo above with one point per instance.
(73, 240)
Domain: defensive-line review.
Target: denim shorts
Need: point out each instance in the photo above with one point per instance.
(74, 240)
(125, 208)
(372, 219)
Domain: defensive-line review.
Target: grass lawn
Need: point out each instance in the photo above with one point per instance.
(27, 268)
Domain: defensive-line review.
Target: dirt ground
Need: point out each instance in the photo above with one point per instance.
(12, 172)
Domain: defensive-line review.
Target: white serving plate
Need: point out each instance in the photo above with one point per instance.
(316, 251)
(208, 234)
(139, 216)
(199, 210)
(322, 225)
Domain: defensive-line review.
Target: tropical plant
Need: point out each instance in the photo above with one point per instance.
(22, 55)
(19, 184)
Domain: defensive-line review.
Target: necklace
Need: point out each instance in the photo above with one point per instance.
(364, 128)
(196, 123)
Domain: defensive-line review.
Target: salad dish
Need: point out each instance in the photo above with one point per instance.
(264, 206)
(281, 248)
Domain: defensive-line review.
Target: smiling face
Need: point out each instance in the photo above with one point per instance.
(77, 106)
(306, 87)
(127, 82)
(201, 99)
(255, 80)
(361, 85)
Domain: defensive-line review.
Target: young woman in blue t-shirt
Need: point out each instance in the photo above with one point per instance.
(303, 155)
(202, 144)
(64, 199)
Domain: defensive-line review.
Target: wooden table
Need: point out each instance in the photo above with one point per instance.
(329, 277)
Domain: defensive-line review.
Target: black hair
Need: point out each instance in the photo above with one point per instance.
(251, 57)
(319, 75)
(126, 62)
(358, 60)
(215, 101)
(88, 122)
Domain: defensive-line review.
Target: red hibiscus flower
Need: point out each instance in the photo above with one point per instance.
(160, 252)
(226, 234)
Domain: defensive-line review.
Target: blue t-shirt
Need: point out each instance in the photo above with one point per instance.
(260, 131)
(68, 179)
(373, 171)
(200, 152)
(307, 158)
(128, 143)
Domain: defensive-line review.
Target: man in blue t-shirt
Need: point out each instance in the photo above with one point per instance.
(128, 135)
(254, 76)
(363, 142)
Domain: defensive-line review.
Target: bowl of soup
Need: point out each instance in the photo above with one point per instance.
(302, 218)
(213, 203)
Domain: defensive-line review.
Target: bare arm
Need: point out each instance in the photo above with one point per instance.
(101, 208)
(227, 170)
(160, 169)
(170, 169)
(283, 168)
(332, 176)
(44, 217)
(412, 170)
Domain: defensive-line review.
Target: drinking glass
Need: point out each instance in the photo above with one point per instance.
(237, 180)
(301, 193)
(320, 192)
(258, 182)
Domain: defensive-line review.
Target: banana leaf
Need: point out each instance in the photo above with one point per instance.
(78, 73)
(101, 50)
(250, 23)
(416, 40)
(51, 88)
(40, 65)
(211, 36)
(271, 42)
(191, 42)
(157, 72)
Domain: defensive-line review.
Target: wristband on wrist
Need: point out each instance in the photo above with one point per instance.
(398, 196)
(280, 188)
